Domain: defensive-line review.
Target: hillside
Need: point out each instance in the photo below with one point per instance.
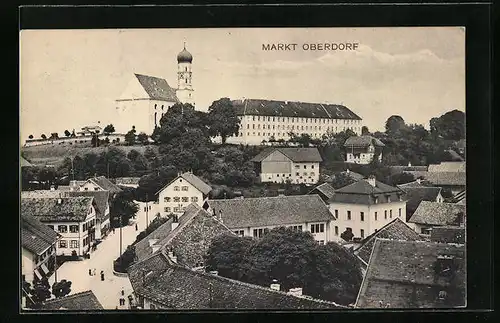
(55, 154)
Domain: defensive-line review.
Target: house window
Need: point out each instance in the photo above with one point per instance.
(425, 231)
(348, 215)
(258, 233)
(185, 199)
(312, 173)
(167, 199)
(73, 228)
(62, 228)
(177, 199)
(194, 199)
(317, 228)
(167, 209)
(399, 212)
(184, 188)
(240, 233)
(321, 242)
(86, 188)
(376, 216)
(63, 244)
(385, 214)
(337, 214)
(312, 166)
(362, 214)
(73, 244)
(362, 234)
(297, 166)
(297, 174)
(390, 214)
(84, 227)
(305, 166)
(176, 209)
(176, 188)
(336, 230)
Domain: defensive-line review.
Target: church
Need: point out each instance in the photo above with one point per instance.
(147, 98)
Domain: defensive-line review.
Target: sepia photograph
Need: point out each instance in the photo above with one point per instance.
(242, 169)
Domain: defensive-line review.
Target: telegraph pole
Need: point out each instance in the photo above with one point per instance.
(147, 215)
(121, 225)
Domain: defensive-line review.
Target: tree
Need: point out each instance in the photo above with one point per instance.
(340, 180)
(94, 142)
(114, 161)
(54, 135)
(43, 136)
(364, 131)
(394, 124)
(143, 138)
(125, 260)
(109, 129)
(401, 178)
(67, 133)
(449, 126)
(121, 209)
(130, 137)
(40, 292)
(30, 136)
(61, 288)
(153, 182)
(223, 120)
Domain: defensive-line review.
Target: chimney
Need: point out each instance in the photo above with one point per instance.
(275, 285)
(152, 242)
(418, 180)
(371, 180)
(409, 164)
(52, 188)
(295, 291)
(214, 272)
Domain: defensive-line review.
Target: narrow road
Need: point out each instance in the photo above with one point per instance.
(107, 291)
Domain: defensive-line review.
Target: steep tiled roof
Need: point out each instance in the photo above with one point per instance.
(434, 213)
(157, 88)
(401, 169)
(415, 195)
(271, 211)
(142, 247)
(177, 287)
(193, 180)
(458, 166)
(353, 175)
(442, 178)
(105, 184)
(362, 192)
(24, 163)
(101, 198)
(48, 209)
(294, 154)
(403, 275)
(325, 189)
(448, 234)
(292, 109)
(74, 302)
(362, 141)
(414, 184)
(36, 236)
(40, 193)
(394, 230)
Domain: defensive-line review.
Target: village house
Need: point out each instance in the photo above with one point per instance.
(432, 214)
(187, 237)
(100, 183)
(101, 198)
(83, 301)
(451, 176)
(296, 165)
(409, 168)
(39, 244)
(73, 218)
(185, 189)
(362, 149)
(132, 182)
(414, 274)
(417, 192)
(254, 217)
(353, 175)
(365, 206)
(160, 283)
(325, 191)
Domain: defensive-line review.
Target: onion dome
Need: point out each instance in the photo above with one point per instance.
(184, 56)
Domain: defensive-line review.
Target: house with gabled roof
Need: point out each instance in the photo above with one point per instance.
(183, 190)
(295, 165)
(100, 183)
(432, 214)
(255, 217)
(362, 149)
(161, 283)
(365, 206)
(38, 247)
(83, 301)
(74, 218)
(325, 191)
(414, 274)
(416, 193)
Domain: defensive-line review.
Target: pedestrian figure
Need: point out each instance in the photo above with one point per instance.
(90, 272)
(123, 292)
(136, 228)
(93, 273)
(102, 275)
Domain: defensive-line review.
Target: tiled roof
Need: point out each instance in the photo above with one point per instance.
(326, 189)
(48, 209)
(177, 287)
(127, 180)
(193, 180)
(434, 213)
(442, 178)
(24, 163)
(292, 109)
(271, 211)
(414, 184)
(142, 248)
(462, 201)
(157, 88)
(74, 302)
(63, 188)
(40, 193)
(362, 192)
(100, 197)
(447, 167)
(394, 230)
(448, 234)
(294, 154)
(402, 274)
(415, 195)
(105, 184)
(455, 156)
(353, 175)
(36, 236)
(401, 169)
(362, 141)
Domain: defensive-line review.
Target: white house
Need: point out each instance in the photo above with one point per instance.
(74, 218)
(39, 244)
(366, 206)
(185, 189)
(433, 214)
(296, 165)
(254, 217)
(362, 149)
(99, 183)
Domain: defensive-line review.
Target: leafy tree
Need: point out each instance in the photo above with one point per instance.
(340, 180)
(94, 142)
(155, 224)
(40, 292)
(449, 126)
(401, 178)
(394, 124)
(143, 138)
(364, 131)
(43, 136)
(223, 120)
(54, 135)
(121, 209)
(30, 136)
(109, 129)
(126, 259)
(61, 288)
(115, 161)
(67, 133)
(347, 235)
(151, 183)
(130, 137)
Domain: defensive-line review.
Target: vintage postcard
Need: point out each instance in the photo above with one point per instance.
(242, 168)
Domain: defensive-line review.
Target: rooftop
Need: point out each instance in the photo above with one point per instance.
(84, 301)
(24, 163)
(271, 211)
(157, 88)
(294, 154)
(455, 166)
(433, 213)
(100, 197)
(36, 236)
(292, 109)
(40, 193)
(448, 234)
(442, 178)
(105, 184)
(362, 192)
(48, 209)
(415, 195)
(193, 180)
(127, 180)
(363, 141)
(325, 189)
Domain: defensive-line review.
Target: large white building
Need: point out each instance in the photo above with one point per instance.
(266, 119)
(147, 98)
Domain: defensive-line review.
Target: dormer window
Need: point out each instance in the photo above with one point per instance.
(442, 295)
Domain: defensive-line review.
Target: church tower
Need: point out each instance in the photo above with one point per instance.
(185, 92)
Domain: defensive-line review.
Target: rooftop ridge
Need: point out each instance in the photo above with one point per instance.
(71, 296)
(268, 197)
(423, 242)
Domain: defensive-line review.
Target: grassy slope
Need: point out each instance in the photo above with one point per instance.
(55, 154)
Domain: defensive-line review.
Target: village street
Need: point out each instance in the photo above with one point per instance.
(107, 291)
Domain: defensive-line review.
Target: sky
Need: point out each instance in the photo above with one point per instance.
(70, 78)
